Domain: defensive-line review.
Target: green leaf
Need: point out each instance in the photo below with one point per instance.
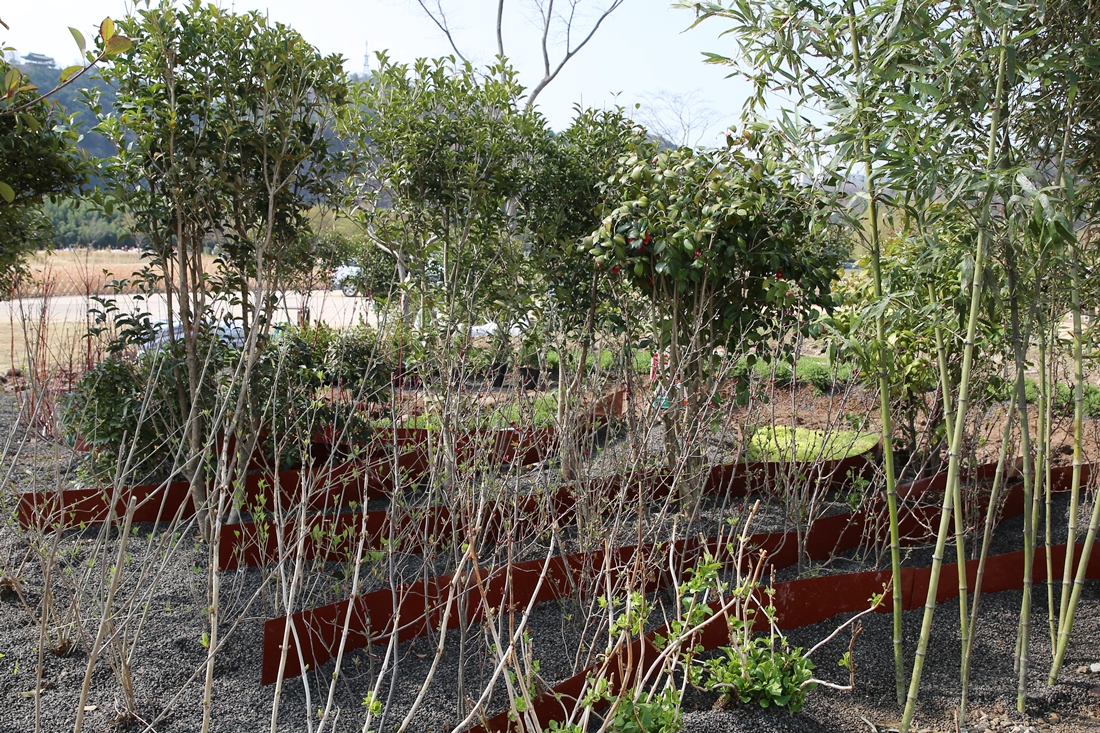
(79, 38)
(68, 71)
(107, 29)
(7, 192)
(31, 122)
(117, 45)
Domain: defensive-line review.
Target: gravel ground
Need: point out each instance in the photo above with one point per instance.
(164, 581)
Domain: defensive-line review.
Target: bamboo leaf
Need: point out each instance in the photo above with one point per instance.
(1027, 185)
(930, 90)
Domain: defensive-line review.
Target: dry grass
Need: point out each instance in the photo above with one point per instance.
(84, 271)
(63, 343)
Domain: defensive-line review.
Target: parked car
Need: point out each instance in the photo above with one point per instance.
(346, 279)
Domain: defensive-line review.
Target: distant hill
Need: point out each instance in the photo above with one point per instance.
(71, 100)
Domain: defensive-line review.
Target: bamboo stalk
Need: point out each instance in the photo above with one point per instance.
(960, 519)
(987, 537)
(883, 388)
(963, 403)
(1019, 338)
(1069, 600)
(1043, 463)
(1078, 429)
(1078, 585)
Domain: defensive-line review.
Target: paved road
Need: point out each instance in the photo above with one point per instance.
(332, 307)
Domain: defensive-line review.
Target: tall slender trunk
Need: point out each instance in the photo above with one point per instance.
(1020, 338)
(987, 536)
(1043, 463)
(955, 450)
(883, 385)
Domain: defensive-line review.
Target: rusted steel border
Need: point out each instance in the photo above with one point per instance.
(812, 600)
(319, 629)
(255, 544)
(416, 607)
(797, 603)
(407, 453)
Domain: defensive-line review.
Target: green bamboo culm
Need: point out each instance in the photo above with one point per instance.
(1019, 339)
(987, 537)
(960, 521)
(1069, 604)
(883, 383)
(1042, 455)
(964, 398)
(1078, 410)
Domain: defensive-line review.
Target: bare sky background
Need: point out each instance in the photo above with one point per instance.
(640, 54)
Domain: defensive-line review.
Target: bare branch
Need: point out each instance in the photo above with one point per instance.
(569, 51)
(681, 118)
(546, 21)
(441, 23)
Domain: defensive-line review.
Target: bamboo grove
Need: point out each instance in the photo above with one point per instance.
(979, 115)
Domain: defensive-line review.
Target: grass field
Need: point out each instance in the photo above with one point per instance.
(65, 347)
(83, 271)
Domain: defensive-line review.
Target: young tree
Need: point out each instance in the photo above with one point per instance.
(724, 244)
(445, 147)
(222, 126)
(565, 196)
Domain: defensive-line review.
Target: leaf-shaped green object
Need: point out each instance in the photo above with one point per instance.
(79, 38)
(68, 71)
(117, 45)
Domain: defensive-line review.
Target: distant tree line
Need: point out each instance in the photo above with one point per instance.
(80, 224)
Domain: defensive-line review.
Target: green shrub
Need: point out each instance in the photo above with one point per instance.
(659, 715)
(1064, 400)
(121, 404)
(761, 674)
(105, 411)
(779, 369)
(816, 373)
(361, 361)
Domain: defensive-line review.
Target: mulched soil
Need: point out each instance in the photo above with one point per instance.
(169, 660)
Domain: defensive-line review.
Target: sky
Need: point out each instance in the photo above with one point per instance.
(641, 53)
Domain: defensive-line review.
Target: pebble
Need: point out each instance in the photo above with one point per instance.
(1095, 667)
(1082, 669)
(1094, 691)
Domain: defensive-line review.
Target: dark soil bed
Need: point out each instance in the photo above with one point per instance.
(169, 661)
